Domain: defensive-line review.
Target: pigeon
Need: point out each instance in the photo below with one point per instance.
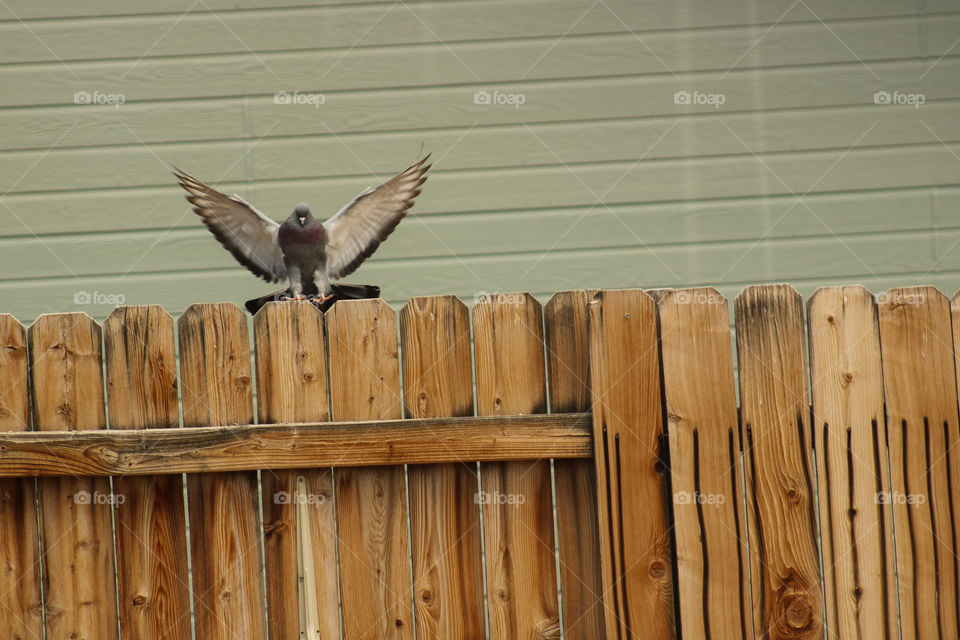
(309, 253)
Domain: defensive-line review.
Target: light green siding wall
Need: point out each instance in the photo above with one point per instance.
(597, 180)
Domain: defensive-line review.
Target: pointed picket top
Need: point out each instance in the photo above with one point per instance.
(67, 347)
(141, 365)
(14, 399)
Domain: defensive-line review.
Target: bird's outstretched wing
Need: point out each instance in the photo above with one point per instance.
(359, 228)
(245, 232)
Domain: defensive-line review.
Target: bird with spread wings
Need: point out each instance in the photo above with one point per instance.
(307, 252)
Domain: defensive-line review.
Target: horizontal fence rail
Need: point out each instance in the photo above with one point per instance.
(586, 469)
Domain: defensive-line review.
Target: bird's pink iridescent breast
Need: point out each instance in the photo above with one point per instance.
(312, 233)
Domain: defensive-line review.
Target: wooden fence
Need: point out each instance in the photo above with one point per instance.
(427, 509)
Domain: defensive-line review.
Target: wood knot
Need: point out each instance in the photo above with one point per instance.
(793, 495)
(548, 629)
(139, 600)
(243, 381)
(845, 379)
(398, 623)
(658, 569)
(309, 377)
(794, 613)
(426, 597)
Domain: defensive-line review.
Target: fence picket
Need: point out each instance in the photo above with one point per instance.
(787, 600)
(371, 502)
(850, 434)
(578, 541)
(20, 606)
(713, 585)
(444, 515)
(517, 496)
(919, 382)
(79, 579)
(630, 462)
(216, 389)
(151, 537)
(292, 387)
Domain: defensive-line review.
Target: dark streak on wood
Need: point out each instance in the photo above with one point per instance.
(703, 533)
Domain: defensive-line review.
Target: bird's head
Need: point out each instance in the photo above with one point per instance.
(302, 214)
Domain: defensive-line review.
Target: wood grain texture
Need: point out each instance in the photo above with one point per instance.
(517, 497)
(215, 380)
(150, 526)
(849, 429)
(294, 446)
(919, 382)
(787, 600)
(710, 533)
(20, 601)
(578, 542)
(77, 542)
(631, 465)
(374, 548)
(292, 387)
(444, 514)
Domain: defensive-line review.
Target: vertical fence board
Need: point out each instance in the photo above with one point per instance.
(919, 384)
(517, 496)
(578, 543)
(444, 513)
(630, 463)
(216, 389)
(713, 585)
(79, 581)
(850, 438)
(292, 387)
(20, 603)
(371, 503)
(780, 492)
(153, 582)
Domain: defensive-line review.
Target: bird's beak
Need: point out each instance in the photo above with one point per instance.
(301, 218)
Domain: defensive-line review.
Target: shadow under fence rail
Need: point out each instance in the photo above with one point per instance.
(581, 468)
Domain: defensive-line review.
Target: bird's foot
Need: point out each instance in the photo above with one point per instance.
(323, 299)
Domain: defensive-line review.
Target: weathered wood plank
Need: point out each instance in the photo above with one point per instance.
(919, 382)
(372, 520)
(294, 446)
(850, 434)
(216, 389)
(444, 515)
(292, 387)
(578, 542)
(631, 464)
(21, 606)
(516, 496)
(75, 513)
(713, 583)
(787, 600)
(150, 527)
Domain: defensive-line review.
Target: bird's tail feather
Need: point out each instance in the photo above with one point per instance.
(338, 291)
